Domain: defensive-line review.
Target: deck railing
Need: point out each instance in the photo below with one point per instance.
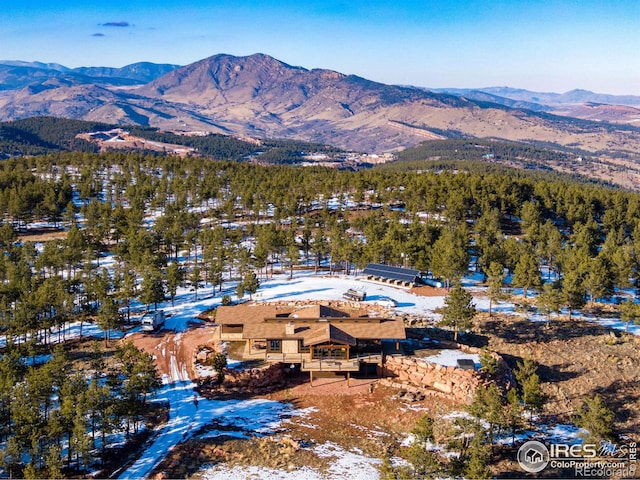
(287, 357)
(330, 365)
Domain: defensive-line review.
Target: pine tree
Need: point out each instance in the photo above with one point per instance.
(450, 256)
(108, 317)
(477, 456)
(629, 312)
(488, 363)
(488, 405)
(529, 383)
(496, 275)
(527, 272)
(152, 287)
(573, 290)
(240, 290)
(550, 300)
(458, 311)
(219, 363)
(195, 280)
(319, 248)
(53, 462)
(293, 252)
(550, 247)
(513, 413)
(175, 278)
(250, 283)
(595, 417)
(80, 442)
(599, 280)
(425, 463)
(423, 429)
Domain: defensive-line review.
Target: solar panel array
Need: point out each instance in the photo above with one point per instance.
(392, 273)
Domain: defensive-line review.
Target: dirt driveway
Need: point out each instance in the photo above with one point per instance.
(175, 352)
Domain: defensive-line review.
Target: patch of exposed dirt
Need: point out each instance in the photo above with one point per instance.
(41, 235)
(365, 415)
(360, 415)
(175, 352)
(427, 291)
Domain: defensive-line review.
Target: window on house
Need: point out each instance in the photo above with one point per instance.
(302, 348)
(274, 346)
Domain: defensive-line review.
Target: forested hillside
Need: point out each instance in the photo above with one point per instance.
(433, 203)
(40, 135)
(519, 155)
(219, 221)
(226, 147)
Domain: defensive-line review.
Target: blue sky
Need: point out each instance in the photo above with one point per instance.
(538, 45)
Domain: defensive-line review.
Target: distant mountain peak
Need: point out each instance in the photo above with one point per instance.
(38, 65)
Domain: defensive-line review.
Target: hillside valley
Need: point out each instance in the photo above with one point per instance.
(260, 96)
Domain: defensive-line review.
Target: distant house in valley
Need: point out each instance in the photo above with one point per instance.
(318, 338)
(404, 277)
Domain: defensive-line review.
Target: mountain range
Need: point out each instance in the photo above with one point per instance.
(260, 96)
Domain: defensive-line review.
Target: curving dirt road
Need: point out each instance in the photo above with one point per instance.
(175, 355)
(175, 352)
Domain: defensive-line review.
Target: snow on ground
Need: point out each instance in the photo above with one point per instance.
(241, 418)
(560, 433)
(449, 358)
(348, 464)
(223, 472)
(73, 330)
(343, 464)
(307, 286)
(563, 433)
(31, 361)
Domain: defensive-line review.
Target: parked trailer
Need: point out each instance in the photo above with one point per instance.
(355, 295)
(152, 321)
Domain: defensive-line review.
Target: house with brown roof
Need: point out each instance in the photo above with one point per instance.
(318, 338)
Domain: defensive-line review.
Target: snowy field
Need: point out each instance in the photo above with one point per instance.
(307, 286)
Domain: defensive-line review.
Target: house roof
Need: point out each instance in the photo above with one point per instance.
(246, 314)
(329, 333)
(318, 311)
(263, 321)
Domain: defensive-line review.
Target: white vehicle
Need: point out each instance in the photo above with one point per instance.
(386, 302)
(433, 282)
(152, 321)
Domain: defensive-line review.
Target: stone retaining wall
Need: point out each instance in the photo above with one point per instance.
(252, 381)
(460, 385)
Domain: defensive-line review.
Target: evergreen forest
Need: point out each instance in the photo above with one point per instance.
(167, 222)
